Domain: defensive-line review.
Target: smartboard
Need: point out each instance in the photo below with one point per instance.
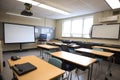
(16, 33)
(110, 31)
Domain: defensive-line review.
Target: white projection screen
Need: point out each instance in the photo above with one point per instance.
(15, 33)
(111, 31)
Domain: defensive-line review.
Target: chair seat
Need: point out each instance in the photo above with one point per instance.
(71, 50)
(99, 59)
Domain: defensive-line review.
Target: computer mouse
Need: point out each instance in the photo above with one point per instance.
(15, 57)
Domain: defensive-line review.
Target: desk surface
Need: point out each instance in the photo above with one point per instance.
(74, 58)
(44, 71)
(108, 48)
(47, 46)
(100, 53)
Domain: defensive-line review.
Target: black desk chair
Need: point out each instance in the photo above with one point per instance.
(66, 48)
(42, 38)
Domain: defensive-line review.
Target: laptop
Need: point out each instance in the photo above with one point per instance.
(24, 68)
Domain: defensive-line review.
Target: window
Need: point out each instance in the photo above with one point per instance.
(79, 27)
(88, 22)
(66, 29)
(76, 30)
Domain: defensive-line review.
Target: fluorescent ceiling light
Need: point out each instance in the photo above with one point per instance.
(44, 6)
(30, 2)
(14, 14)
(114, 4)
(53, 9)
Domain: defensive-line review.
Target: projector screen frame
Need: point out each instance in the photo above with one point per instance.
(105, 38)
(17, 24)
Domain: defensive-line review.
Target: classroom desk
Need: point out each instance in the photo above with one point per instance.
(95, 52)
(60, 43)
(107, 55)
(73, 45)
(79, 60)
(108, 48)
(44, 71)
(46, 47)
(56, 43)
(114, 50)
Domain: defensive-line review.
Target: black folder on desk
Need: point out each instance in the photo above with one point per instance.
(21, 69)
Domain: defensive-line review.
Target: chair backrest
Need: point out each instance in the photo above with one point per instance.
(64, 48)
(47, 52)
(56, 62)
(98, 49)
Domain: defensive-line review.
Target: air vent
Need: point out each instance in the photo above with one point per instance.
(117, 12)
(109, 19)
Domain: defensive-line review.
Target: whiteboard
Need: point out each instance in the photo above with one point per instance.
(14, 33)
(110, 31)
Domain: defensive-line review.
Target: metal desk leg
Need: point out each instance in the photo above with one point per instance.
(77, 73)
(91, 69)
(41, 53)
(14, 77)
(90, 72)
(109, 68)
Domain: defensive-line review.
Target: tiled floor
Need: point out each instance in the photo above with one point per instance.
(97, 75)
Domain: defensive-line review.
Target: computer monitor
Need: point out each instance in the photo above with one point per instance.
(43, 37)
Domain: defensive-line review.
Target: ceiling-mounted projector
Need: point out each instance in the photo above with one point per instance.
(27, 11)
